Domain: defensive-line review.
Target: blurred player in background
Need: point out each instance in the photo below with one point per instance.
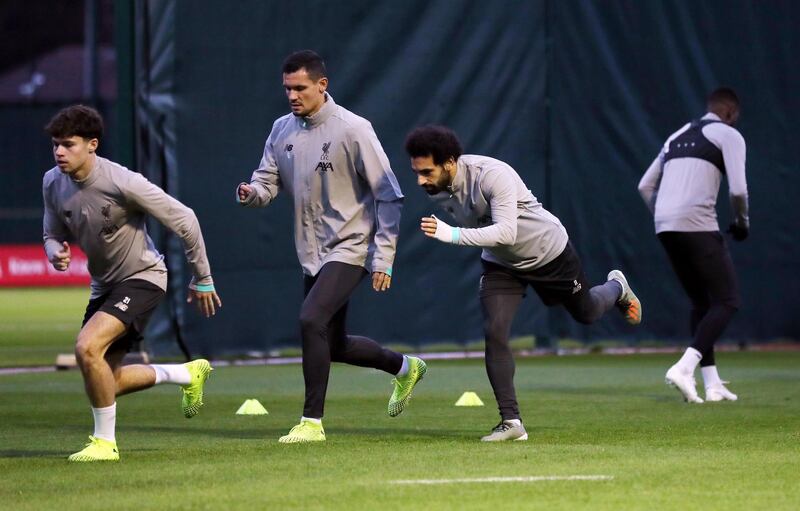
(102, 206)
(523, 245)
(680, 187)
(347, 205)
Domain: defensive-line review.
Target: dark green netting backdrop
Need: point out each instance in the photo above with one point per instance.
(577, 96)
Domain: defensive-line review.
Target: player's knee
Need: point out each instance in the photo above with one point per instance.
(733, 303)
(86, 350)
(312, 321)
(728, 307)
(495, 334)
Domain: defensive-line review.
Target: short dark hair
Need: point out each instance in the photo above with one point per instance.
(439, 142)
(76, 120)
(723, 95)
(308, 59)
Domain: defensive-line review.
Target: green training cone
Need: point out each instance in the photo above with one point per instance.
(469, 399)
(252, 407)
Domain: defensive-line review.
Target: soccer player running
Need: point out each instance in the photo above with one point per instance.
(523, 244)
(347, 205)
(680, 187)
(102, 206)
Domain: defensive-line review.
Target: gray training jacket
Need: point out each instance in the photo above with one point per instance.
(682, 194)
(489, 198)
(105, 215)
(347, 201)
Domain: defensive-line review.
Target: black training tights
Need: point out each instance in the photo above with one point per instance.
(323, 317)
(705, 269)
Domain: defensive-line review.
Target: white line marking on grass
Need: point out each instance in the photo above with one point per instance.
(23, 370)
(527, 479)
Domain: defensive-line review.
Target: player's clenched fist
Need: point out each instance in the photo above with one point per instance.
(60, 259)
(243, 191)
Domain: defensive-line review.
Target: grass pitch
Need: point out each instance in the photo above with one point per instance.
(587, 415)
(37, 324)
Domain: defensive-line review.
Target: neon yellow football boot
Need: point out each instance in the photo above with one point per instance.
(306, 431)
(98, 449)
(403, 385)
(192, 401)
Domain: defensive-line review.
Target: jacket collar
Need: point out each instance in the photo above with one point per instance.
(322, 115)
(459, 179)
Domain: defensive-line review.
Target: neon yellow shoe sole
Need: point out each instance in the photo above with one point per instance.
(97, 449)
(404, 385)
(192, 400)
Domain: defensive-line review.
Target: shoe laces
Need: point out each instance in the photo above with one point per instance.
(401, 382)
(502, 427)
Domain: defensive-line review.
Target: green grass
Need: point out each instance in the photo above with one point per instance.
(587, 415)
(39, 323)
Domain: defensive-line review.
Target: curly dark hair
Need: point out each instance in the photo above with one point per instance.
(76, 120)
(439, 142)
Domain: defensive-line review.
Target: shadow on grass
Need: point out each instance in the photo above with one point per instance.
(215, 432)
(21, 453)
(272, 432)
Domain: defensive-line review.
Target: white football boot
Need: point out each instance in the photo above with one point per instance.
(507, 430)
(718, 392)
(684, 382)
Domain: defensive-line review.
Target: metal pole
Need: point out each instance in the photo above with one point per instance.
(90, 50)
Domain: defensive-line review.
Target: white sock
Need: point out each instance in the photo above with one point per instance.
(309, 419)
(403, 368)
(688, 362)
(105, 422)
(515, 422)
(172, 373)
(710, 376)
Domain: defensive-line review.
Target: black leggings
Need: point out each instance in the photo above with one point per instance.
(323, 317)
(705, 269)
(560, 282)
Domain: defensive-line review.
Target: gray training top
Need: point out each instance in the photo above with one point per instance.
(682, 193)
(347, 201)
(501, 214)
(105, 215)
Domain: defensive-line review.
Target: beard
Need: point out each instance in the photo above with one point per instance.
(439, 186)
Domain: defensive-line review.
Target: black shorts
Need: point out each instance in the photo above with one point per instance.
(132, 302)
(556, 282)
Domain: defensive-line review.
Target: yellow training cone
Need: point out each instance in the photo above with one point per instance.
(252, 407)
(469, 399)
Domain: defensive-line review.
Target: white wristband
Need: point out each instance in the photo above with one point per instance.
(445, 232)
